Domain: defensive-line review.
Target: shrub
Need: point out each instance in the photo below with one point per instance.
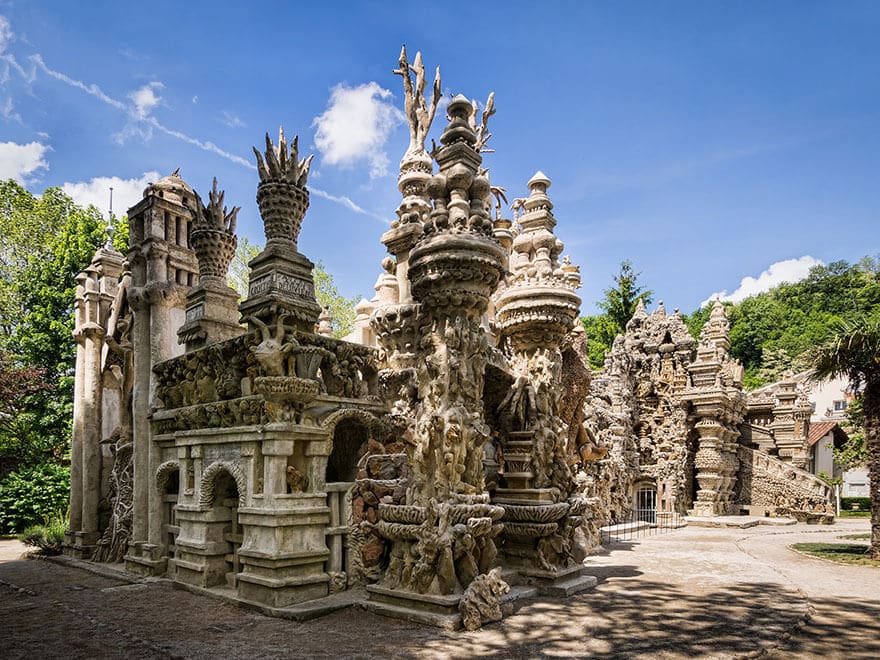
(846, 503)
(33, 496)
(48, 537)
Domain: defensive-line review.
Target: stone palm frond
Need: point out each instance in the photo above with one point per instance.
(216, 215)
(482, 131)
(279, 163)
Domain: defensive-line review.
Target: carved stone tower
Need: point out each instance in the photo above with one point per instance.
(163, 269)
(718, 407)
(281, 277)
(95, 293)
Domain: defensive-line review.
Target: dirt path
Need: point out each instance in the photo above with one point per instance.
(695, 592)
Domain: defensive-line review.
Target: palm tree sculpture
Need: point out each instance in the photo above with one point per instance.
(854, 352)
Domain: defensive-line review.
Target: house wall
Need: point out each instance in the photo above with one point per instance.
(855, 483)
(824, 394)
(823, 455)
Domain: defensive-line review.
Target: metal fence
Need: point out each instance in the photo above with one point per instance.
(638, 524)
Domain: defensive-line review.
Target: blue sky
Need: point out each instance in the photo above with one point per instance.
(705, 141)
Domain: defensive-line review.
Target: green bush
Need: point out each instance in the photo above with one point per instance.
(863, 502)
(48, 538)
(33, 496)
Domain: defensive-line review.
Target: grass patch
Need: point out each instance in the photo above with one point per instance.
(855, 514)
(841, 553)
(856, 537)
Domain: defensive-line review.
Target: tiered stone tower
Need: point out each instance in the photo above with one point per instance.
(718, 407)
(535, 312)
(443, 539)
(163, 269)
(281, 278)
(212, 306)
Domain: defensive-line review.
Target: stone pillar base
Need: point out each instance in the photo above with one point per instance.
(431, 609)
(559, 582)
(80, 545)
(146, 560)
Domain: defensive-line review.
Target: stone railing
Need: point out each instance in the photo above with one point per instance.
(778, 487)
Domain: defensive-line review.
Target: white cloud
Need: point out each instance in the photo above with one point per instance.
(5, 33)
(21, 161)
(126, 192)
(7, 111)
(789, 270)
(195, 99)
(356, 125)
(145, 99)
(231, 120)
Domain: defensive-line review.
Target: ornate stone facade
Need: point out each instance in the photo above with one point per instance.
(458, 454)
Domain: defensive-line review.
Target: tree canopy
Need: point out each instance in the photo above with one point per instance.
(45, 241)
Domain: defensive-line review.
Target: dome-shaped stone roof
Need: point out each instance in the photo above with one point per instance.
(171, 187)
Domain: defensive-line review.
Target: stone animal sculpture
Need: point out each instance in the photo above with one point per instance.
(481, 601)
(271, 353)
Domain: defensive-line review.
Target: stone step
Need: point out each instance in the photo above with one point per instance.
(570, 586)
(444, 621)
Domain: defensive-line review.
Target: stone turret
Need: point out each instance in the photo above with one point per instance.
(281, 278)
(163, 270)
(534, 314)
(718, 407)
(212, 306)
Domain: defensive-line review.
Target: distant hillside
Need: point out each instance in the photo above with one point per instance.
(770, 332)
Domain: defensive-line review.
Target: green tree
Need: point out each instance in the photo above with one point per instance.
(328, 296)
(619, 305)
(621, 299)
(46, 241)
(853, 351)
(853, 453)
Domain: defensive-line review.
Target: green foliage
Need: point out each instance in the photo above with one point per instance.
(33, 495)
(341, 308)
(44, 242)
(773, 333)
(853, 453)
(239, 274)
(47, 537)
(864, 503)
(618, 305)
(621, 299)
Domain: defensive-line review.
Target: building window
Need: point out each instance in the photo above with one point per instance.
(839, 406)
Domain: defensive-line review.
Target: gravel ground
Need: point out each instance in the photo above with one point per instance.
(693, 592)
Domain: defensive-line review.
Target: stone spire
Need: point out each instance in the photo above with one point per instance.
(281, 278)
(535, 312)
(212, 306)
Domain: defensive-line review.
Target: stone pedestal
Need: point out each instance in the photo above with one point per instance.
(211, 317)
(431, 609)
(283, 550)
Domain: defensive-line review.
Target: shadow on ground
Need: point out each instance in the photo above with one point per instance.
(47, 610)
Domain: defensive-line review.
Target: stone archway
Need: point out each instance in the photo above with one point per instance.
(168, 485)
(223, 491)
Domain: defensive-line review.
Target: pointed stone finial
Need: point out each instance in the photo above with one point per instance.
(640, 312)
(539, 182)
(661, 309)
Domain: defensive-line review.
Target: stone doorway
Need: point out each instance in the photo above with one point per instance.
(646, 503)
(170, 528)
(226, 508)
(342, 468)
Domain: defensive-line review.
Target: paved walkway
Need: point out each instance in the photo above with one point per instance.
(693, 592)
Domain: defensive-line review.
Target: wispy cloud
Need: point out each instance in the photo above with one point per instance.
(22, 161)
(7, 111)
(787, 271)
(356, 125)
(231, 120)
(96, 191)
